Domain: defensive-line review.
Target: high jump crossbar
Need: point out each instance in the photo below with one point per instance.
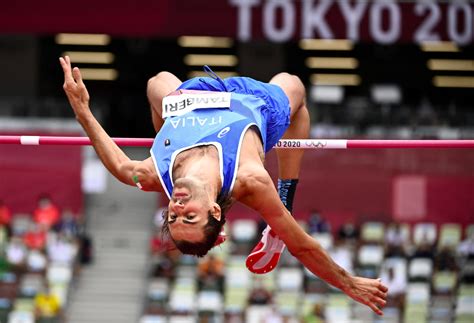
(284, 143)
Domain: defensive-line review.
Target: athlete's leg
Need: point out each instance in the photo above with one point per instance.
(266, 254)
(158, 87)
(289, 160)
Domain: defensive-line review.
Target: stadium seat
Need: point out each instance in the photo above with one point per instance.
(184, 271)
(370, 255)
(290, 279)
(449, 235)
(182, 319)
(372, 232)
(441, 309)
(417, 302)
(158, 289)
(31, 284)
(244, 230)
(24, 305)
(57, 273)
(325, 239)
(420, 269)
(61, 291)
(183, 295)
(398, 282)
(416, 313)
(20, 224)
(338, 308)
(390, 315)
(343, 256)
(444, 282)
(19, 316)
(153, 319)
(424, 232)
(256, 313)
(210, 301)
(288, 302)
(362, 313)
(398, 264)
(418, 293)
(404, 228)
(236, 273)
(235, 299)
(464, 309)
(268, 280)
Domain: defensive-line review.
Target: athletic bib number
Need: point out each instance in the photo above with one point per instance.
(177, 105)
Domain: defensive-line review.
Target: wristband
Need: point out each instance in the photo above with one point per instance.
(135, 180)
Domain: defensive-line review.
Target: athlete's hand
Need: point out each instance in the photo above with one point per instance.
(370, 292)
(74, 87)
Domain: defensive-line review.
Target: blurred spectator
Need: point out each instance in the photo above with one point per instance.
(68, 225)
(424, 249)
(47, 306)
(397, 285)
(465, 252)
(259, 295)
(316, 224)
(16, 254)
(85, 248)
(165, 266)
(211, 273)
(36, 261)
(46, 213)
(35, 237)
(61, 250)
(445, 260)
(466, 247)
(316, 315)
(395, 241)
(348, 231)
(5, 215)
(342, 255)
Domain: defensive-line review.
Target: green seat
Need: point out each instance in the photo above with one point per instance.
(235, 299)
(444, 281)
(24, 305)
(416, 313)
(449, 236)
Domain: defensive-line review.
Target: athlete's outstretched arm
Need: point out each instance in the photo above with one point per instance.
(113, 158)
(262, 196)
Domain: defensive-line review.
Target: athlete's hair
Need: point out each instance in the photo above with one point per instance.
(211, 230)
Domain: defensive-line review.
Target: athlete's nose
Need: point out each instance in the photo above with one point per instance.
(178, 205)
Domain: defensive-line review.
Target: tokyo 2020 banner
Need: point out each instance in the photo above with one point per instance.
(380, 21)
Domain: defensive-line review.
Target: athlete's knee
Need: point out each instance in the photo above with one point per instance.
(160, 79)
(292, 86)
(289, 81)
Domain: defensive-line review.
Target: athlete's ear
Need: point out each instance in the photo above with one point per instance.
(216, 211)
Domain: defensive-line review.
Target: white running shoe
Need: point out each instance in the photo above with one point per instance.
(266, 254)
